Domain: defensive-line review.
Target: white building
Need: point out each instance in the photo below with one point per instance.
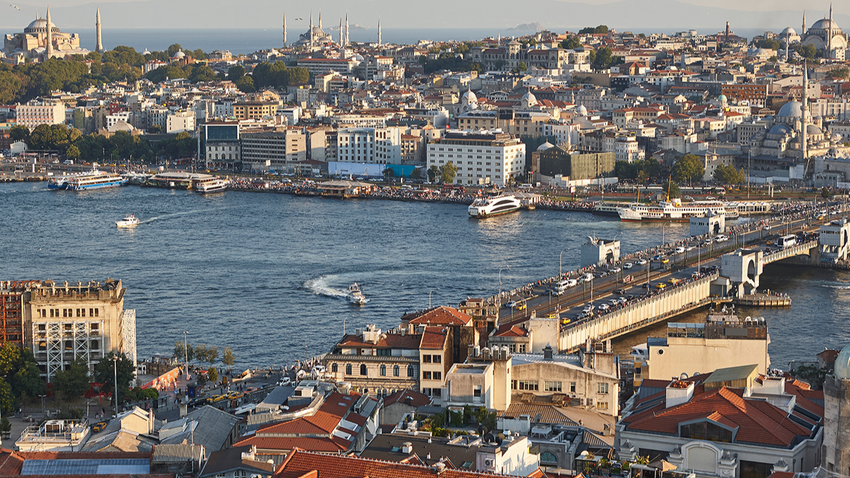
(369, 145)
(180, 121)
(35, 113)
(626, 148)
(481, 157)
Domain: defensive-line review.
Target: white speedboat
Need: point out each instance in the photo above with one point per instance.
(129, 221)
(355, 295)
(494, 206)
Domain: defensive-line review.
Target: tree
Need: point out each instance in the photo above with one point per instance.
(571, 43)
(521, 67)
(105, 371)
(416, 173)
(10, 358)
(7, 400)
(235, 72)
(213, 374)
(201, 73)
(212, 354)
(173, 49)
(448, 172)
(10, 87)
(838, 73)
(201, 352)
(671, 189)
(727, 174)
(73, 381)
(433, 171)
(227, 357)
(824, 193)
(603, 58)
(245, 84)
(688, 169)
(601, 29)
(19, 133)
(73, 152)
(27, 381)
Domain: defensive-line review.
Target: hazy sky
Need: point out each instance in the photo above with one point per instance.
(499, 14)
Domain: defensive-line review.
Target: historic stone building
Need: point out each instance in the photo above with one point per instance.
(39, 42)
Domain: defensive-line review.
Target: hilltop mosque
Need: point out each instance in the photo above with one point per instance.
(38, 42)
(825, 35)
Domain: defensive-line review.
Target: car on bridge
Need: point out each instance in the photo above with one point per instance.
(628, 265)
(660, 285)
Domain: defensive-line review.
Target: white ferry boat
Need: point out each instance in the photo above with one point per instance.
(609, 208)
(93, 180)
(211, 185)
(676, 211)
(494, 206)
(58, 184)
(355, 295)
(129, 221)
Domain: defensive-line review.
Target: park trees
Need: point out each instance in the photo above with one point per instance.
(73, 381)
(688, 169)
(448, 172)
(105, 371)
(727, 174)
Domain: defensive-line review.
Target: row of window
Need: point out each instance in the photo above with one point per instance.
(432, 359)
(43, 313)
(382, 370)
(551, 386)
(432, 375)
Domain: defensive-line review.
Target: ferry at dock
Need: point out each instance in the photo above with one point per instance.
(84, 182)
(675, 211)
(494, 206)
(211, 185)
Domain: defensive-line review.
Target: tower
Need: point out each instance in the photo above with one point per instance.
(311, 29)
(99, 47)
(346, 30)
(836, 415)
(379, 31)
(727, 32)
(805, 111)
(803, 31)
(320, 19)
(49, 35)
(829, 34)
(340, 32)
(284, 29)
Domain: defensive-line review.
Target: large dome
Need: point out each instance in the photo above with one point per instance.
(788, 31)
(842, 364)
(792, 109)
(824, 24)
(780, 129)
(39, 25)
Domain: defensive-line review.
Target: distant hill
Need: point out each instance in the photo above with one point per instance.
(527, 27)
(354, 28)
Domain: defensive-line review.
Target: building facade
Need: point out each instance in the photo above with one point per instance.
(480, 157)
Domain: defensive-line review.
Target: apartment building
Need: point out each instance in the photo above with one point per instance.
(480, 157)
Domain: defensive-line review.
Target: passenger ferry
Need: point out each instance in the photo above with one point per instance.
(494, 206)
(675, 211)
(84, 182)
(603, 208)
(211, 185)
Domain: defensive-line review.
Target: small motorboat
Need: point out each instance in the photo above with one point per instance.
(129, 221)
(355, 295)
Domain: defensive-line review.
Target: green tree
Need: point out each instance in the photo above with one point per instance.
(10, 358)
(824, 193)
(245, 84)
(571, 43)
(727, 174)
(601, 29)
(73, 152)
(19, 133)
(521, 67)
(201, 72)
(672, 190)
(603, 58)
(73, 381)
(416, 173)
(212, 354)
(235, 72)
(213, 374)
(688, 169)
(7, 400)
(105, 371)
(433, 171)
(769, 44)
(448, 172)
(201, 353)
(173, 49)
(227, 357)
(28, 381)
(10, 87)
(838, 73)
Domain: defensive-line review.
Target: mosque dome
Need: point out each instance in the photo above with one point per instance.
(722, 99)
(529, 99)
(842, 364)
(581, 110)
(825, 24)
(813, 129)
(39, 25)
(792, 109)
(545, 146)
(469, 96)
(780, 129)
(179, 55)
(788, 31)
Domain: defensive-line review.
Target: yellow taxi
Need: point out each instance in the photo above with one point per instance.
(660, 286)
(521, 306)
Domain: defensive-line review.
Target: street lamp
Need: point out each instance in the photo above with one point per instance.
(186, 351)
(115, 371)
(429, 296)
(499, 297)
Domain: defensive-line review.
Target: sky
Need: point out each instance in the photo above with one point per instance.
(707, 16)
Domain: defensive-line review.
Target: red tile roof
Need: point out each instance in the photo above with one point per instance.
(434, 338)
(509, 330)
(393, 341)
(337, 466)
(417, 399)
(442, 315)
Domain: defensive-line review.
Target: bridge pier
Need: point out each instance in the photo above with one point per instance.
(743, 267)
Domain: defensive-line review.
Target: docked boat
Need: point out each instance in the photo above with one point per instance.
(355, 295)
(211, 185)
(128, 221)
(494, 206)
(86, 181)
(675, 211)
(603, 208)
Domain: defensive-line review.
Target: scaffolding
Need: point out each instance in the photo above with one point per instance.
(59, 343)
(128, 336)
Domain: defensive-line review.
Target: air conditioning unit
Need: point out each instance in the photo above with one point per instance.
(488, 462)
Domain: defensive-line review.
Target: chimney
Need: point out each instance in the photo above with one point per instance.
(407, 447)
(547, 352)
(183, 410)
(678, 392)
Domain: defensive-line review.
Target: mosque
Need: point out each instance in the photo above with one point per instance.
(315, 35)
(825, 35)
(38, 42)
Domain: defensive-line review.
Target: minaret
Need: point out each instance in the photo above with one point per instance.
(346, 29)
(320, 19)
(829, 34)
(379, 31)
(284, 29)
(498, 40)
(99, 47)
(311, 29)
(803, 32)
(340, 32)
(49, 35)
(805, 111)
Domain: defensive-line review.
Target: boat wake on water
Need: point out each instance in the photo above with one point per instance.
(178, 214)
(319, 286)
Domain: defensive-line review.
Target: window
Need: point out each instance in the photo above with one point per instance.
(601, 388)
(395, 371)
(437, 392)
(602, 405)
(572, 387)
(705, 430)
(438, 359)
(426, 359)
(363, 369)
(438, 375)
(383, 370)
(348, 369)
(476, 391)
(528, 385)
(411, 371)
(551, 386)
(426, 375)
(334, 368)
(548, 458)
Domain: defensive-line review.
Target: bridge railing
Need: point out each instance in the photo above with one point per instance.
(789, 252)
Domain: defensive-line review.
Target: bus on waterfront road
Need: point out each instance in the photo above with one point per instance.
(785, 242)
